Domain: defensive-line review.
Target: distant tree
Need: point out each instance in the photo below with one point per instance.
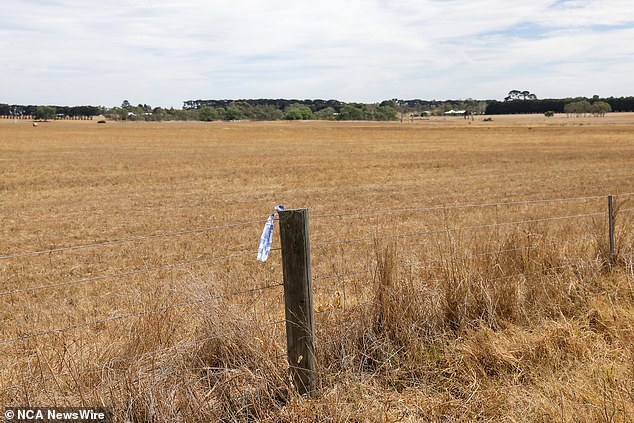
(513, 95)
(393, 103)
(570, 108)
(232, 113)
(126, 105)
(298, 112)
(549, 113)
(45, 112)
(327, 113)
(520, 95)
(351, 112)
(175, 114)
(578, 108)
(145, 108)
(207, 114)
(266, 112)
(600, 108)
(159, 114)
(386, 112)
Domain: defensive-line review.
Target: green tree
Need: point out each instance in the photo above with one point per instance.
(520, 95)
(600, 108)
(386, 112)
(351, 112)
(578, 108)
(298, 112)
(159, 114)
(267, 112)
(232, 113)
(207, 114)
(327, 113)
(45, 112)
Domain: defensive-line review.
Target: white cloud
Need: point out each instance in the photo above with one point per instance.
(164, 52)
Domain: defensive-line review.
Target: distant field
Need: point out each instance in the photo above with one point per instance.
(506, 310)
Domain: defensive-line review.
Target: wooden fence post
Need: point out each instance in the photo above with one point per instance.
(298, 298)
(611, 229)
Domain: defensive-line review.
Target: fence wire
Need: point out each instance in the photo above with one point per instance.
(130, 273)
(128, 240)
(323, 215)
(135, 314)
(456, 229)
(364, 271)
(459, 206)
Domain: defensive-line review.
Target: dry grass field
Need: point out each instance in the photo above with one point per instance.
(460, 269)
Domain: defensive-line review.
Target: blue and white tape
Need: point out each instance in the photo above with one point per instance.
(267, 236)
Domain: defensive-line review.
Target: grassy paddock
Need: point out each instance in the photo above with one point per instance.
(495, 312)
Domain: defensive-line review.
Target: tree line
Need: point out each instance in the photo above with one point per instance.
(517, 102)
(285, 109)
(579, 105)
(49, 112)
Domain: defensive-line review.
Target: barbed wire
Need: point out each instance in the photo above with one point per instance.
(365, 271)
(100, 211)
(330, 311)
(128, 240)
(135, 314)
(130, 273)
(457, 206)
(455, 229)
(341, 214)
(345, 308)
(426, 264)
(339, 275)
(190, 263)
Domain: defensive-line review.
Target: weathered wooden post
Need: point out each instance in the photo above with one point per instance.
(298, 298)
(611, 229)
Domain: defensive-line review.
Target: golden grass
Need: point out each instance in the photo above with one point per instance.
(476, 319)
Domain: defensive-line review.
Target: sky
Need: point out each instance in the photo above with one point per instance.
(161, 53)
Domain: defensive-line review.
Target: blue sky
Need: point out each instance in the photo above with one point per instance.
(161, 52)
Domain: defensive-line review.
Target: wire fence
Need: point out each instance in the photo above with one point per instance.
(366, 268)
(129, 240)
(317, 216)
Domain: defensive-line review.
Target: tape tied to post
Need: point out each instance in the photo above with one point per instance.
(267, 236)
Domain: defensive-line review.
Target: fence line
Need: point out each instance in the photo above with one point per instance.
(460, 206)
(351, 213)
(131, 273)
(176, 346)
(135, 314)
(190, 263)
(128, 240)
(339, 275)
(336, 310)
(425, 265)
(342, 214)
(346, 241)
(455, 229)
(514, 275)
